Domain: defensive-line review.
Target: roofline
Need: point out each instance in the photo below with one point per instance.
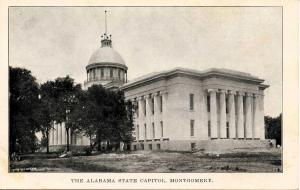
(106, 64)
(197, 74)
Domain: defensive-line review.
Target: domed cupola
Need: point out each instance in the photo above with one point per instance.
(106, 66)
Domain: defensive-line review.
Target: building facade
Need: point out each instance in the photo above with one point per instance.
(183, 109)
(180, 109)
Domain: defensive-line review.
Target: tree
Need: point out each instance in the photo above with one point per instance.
(47, 109)
(23, 103)
(273, 128)
(66, 96)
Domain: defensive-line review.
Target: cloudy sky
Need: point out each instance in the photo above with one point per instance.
(53, 42)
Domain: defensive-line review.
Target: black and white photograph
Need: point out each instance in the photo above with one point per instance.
(145, 89)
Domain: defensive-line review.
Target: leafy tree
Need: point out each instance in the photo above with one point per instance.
(66, 96)
(273, 128)
(23, 103)
(47, 109)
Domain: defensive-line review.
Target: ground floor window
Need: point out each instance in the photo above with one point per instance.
(150, 146)
(193, 146)
(158, 146)
(142, 146)
(134, 147)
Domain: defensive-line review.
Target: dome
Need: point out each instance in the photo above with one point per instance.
(106, 55)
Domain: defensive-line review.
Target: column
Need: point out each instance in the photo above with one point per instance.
(63, 134)
(231, 110)
(213, 113)
(262, 117)
(70, 137)
(203, 115)
(50, 139)
(240, 111)
(148, 111)
(55, 134)
(256, 128)
(223, 131)
(52, 132)
(141, 107)
(248, 127)
(59, 133)
(164, 96)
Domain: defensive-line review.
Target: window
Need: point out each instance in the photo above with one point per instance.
(150, 146)
(153, 130)
(111, 72)
(137, 132)
(193, 146)
(158, 146)
(145, 112)
(227, 130)
(208, 128)
(119, 73)
(137, 110)
(152, 105)
(191, 101)
(226, 105)
(161, 103)
(161, 129)
(208, 103)
(145, 132)
(142, 146)
(102, 72)
(134, 147)
(192, 127)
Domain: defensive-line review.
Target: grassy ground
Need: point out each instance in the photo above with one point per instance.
(145, 161)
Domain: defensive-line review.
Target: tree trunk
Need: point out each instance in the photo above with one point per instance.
(47, 136)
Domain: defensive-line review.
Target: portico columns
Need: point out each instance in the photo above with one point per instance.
(164, 96)
(256, 132)
(148, 113)
(55, 134)
(222, 114)
(59, 133)
(140, 107)
(240, 111)
(249, 112)
(261, 116)
(50, 139)
(231, 110)
(213, 113)
(63, 134)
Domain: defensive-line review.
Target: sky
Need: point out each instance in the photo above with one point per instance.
(58, 41)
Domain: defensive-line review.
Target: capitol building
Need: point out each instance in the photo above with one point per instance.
(180, 109)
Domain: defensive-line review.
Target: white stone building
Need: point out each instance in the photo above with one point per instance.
(180, 109)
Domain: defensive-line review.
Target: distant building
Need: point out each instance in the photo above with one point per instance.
(180, 109)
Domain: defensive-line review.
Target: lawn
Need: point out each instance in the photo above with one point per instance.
(152, 162)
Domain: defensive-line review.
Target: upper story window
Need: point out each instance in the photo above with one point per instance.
(145, 110)
(192, 127)
(161, 129)
(208, 128)
(191, 101)
(226, 105)
(152, 105)
(161, 103)
(111, 72)
(208, 103)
